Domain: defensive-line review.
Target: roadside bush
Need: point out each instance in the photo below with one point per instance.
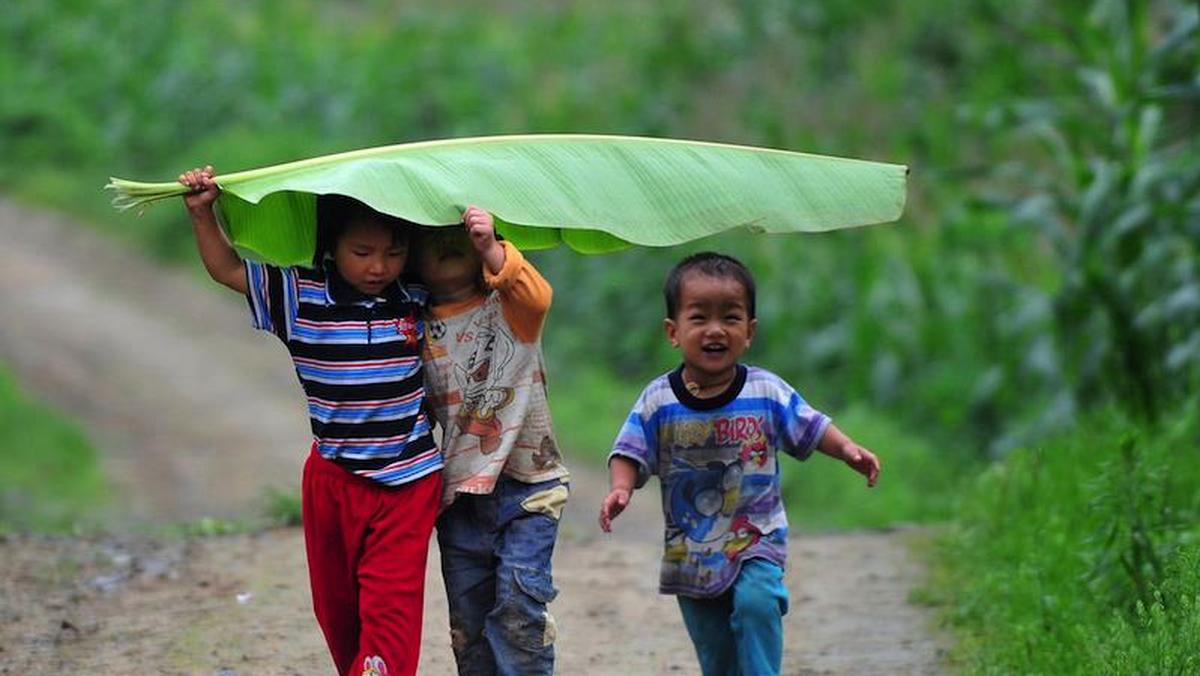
(1078, 555)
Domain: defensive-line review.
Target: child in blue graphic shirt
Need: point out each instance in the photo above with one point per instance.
(711, 430)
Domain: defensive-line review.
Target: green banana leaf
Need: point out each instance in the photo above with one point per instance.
(593, 193)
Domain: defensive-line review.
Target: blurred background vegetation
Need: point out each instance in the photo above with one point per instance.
(1040, 298)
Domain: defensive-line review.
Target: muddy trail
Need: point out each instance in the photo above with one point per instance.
(197, 416)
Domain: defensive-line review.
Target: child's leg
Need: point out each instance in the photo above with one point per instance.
(391, 578)
(520, 628)
(707, 622)
(367, 548)
(467, 540)
(331, 539)
(760, 600)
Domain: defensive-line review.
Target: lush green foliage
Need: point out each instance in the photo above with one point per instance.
(49, 477)
(1079, 555)
(1047, 265)
(919, 481)
(850, 317)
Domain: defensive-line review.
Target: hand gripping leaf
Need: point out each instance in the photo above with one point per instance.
(595, 193)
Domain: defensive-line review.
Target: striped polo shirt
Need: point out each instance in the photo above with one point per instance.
(358, 358)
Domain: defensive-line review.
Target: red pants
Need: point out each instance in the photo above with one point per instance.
(367, 547)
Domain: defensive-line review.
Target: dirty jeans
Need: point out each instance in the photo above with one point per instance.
(495, 552)
(740, 633)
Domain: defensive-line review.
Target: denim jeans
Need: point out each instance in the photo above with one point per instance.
(495, 552)
(740, 633)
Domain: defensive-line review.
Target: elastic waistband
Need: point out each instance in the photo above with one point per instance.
(328, 468)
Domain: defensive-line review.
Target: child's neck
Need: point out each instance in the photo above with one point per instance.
(707, 387)
(447, 295)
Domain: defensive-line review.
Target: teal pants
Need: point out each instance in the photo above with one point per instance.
(740, 633)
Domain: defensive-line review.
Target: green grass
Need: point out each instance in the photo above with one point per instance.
(1080, 555)
(589, 408)
(916, 483)
(50, 479)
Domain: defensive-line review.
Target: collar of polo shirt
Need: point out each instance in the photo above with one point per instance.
(342, 292)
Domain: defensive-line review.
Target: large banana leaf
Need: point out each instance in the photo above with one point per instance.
(594, 193)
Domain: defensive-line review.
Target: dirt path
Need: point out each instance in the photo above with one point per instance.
(196, 415)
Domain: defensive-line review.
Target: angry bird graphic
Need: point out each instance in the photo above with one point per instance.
(742, 535)
(754, 452)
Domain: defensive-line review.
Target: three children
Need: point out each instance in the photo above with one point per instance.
(374, 482)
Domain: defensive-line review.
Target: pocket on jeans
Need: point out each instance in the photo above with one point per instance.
(536, 583)
(528, 623)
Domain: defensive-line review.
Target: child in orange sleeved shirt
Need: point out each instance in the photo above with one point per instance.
(505, 482)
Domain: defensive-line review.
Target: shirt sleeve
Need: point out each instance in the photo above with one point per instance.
(801, 425)
(637, 442)
(524, 294)
(272, 295)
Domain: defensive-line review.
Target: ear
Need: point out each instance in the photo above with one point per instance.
(750, 331)
(669, 326)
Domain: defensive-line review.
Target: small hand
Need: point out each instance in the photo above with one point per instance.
(203, 185)
(615, 503)
(862, 461)
(480, 227)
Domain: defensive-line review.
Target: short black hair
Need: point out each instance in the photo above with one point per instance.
(336, 213)
(714, 265)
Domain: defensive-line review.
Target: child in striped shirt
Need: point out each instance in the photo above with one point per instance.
(711, 430)
(373, 481)
(505, 482)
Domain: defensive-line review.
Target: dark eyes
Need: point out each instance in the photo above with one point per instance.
(367, 252)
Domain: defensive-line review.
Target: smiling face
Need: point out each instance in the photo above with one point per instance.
(369, 256)
(448, 264)
(711, 327)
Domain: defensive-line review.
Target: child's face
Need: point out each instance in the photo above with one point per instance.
(712, 326)
(369, 258)
(447, 261)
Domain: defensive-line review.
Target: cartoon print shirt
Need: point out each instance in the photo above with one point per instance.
(485, 378)
(716, 460)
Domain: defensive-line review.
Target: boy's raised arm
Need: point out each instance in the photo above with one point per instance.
(837, 445)
(219, 257)
(525, 294)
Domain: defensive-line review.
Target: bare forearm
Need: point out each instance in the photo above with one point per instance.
(835, 443)
(493, 257)
(218, 255)
(622, 474)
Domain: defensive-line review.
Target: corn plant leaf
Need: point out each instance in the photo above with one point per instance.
(592, 193)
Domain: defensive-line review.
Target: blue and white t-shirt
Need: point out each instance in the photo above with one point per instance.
(716, 460)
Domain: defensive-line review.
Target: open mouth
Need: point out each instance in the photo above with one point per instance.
(713, 348)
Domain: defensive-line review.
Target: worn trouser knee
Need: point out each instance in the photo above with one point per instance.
(521, 629)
